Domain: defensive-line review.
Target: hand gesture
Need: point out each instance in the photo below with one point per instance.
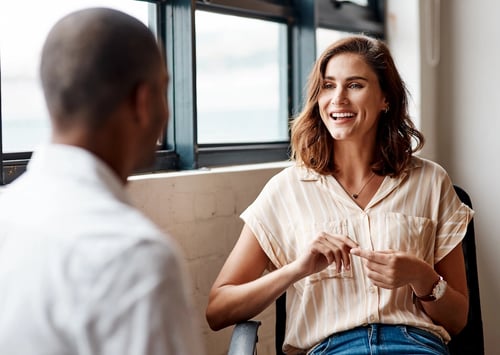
(389, 269)
(324, 250)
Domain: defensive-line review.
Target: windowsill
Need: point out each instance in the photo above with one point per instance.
(205, 171)
(216, 170)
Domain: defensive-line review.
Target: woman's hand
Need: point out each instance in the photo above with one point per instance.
(323, 251)
(392, 269)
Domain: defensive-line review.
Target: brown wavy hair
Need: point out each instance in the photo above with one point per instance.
(312, 144)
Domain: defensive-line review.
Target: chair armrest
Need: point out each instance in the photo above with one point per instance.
(244, 338)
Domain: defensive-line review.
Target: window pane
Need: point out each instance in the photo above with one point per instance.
(241, 79)
(23, 28)
(325, 37)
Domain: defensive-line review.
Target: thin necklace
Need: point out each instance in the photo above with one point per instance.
(356, 195)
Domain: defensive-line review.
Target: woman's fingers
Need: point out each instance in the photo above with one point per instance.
(336, 249)
(388, 268)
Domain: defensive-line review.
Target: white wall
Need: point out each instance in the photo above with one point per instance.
(456, 107)
(468, 127)
(413, 36)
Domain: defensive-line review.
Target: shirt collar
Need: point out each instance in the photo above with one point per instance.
(77, 163)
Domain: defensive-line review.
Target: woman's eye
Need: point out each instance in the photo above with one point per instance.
(328, 86)
(355, 86)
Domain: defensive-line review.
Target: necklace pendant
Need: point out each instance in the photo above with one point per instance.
(355, 196)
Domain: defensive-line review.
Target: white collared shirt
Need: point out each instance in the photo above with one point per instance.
(417, 212)
(82, 271)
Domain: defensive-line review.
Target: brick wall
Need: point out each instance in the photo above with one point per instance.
(200, 210)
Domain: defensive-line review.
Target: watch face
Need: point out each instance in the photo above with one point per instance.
(439, 290)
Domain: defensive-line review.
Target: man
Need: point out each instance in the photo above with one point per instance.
(81, 270)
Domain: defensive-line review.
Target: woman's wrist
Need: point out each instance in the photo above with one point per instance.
(295, 271)
(425, 280)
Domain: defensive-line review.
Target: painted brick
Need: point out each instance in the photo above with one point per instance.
(201, 212)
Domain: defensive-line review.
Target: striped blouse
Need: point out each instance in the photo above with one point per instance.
(417, 212)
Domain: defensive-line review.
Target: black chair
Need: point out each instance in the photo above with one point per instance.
(469, 341)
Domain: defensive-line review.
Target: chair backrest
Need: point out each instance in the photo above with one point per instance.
(470, 340)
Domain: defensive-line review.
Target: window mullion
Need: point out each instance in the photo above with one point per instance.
(303, 50)
(182, 69)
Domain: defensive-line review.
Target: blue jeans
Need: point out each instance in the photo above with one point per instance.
(376, 339)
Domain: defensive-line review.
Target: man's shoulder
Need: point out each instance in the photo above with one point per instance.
(124, 232)
(137, 256)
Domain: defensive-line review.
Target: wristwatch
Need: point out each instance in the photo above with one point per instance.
(438, 290)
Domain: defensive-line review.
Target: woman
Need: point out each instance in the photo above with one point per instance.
(363, 236)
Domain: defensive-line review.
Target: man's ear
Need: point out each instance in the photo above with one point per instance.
(141, 98)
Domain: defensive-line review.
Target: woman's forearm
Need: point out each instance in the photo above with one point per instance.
(229, 304)
(450, 311)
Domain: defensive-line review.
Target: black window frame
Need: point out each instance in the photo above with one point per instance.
(173, 21)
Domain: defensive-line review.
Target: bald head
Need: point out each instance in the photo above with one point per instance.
(92, 61)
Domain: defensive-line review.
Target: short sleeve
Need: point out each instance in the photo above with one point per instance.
(263, 218)
(453, 219)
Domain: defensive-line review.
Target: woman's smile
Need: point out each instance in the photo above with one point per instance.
(339, 116)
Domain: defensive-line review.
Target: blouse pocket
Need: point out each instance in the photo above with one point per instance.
(414, 235)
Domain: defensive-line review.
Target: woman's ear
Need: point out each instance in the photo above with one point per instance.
(385, 106)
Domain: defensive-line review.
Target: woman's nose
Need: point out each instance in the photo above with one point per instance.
(339, 98)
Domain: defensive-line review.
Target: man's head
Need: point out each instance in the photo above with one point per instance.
(102, 72)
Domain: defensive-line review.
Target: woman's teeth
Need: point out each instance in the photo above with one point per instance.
(337, 115)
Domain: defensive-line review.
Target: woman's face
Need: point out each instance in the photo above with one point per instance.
(350, 101)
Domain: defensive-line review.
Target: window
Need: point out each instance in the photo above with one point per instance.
(238, 70)
(356, 16)
(338, 19)
(325, 37)
(241, 79)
